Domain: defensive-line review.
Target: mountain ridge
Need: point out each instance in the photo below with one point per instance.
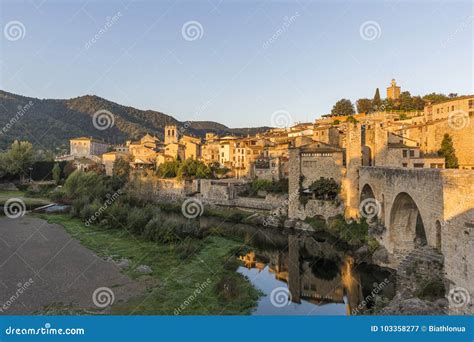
(50, 123)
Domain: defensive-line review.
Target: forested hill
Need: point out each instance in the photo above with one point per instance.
(49, 124)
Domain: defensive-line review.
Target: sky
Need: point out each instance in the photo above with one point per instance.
(235, 62)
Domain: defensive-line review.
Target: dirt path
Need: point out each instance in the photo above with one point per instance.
(41, 265)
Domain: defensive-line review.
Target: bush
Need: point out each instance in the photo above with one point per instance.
(325, 188)
(138, 218)
(159, 230)
(117, 214)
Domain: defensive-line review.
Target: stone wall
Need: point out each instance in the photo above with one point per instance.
(317, 208)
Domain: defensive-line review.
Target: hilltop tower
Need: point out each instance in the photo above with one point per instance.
(393, 92)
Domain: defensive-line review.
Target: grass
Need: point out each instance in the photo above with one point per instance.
(29, 201)
(192, 286)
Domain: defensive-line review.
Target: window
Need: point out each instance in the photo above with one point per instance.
(412, 153)
(471, 103)
(418, 165)
(404, 164)
(405, 153)
(452, 108)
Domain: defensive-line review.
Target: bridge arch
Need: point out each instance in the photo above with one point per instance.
(368, 192)
(406, 226)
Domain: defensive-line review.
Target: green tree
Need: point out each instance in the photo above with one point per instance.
(435, 98)
(19, 158)
(418, 103)
(377, 101)
(56, 171)
(405, 101)
(168, 169)
(343, 107)
(364, 106)
(325, 188)
(121, 168)
(448, 152)
(3, 165)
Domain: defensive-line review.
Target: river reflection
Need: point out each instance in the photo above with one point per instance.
(314, 285)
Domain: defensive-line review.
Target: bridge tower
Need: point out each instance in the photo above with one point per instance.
(350, 185)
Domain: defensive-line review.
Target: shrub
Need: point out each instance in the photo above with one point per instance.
(158, 230)
(138, 218)
(325, 188)
(116, 214)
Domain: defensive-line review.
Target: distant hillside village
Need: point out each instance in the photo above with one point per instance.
(408, 139)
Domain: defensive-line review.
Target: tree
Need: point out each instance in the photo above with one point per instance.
(377, 101)
(325, 188)
(56, 171)
(343, 107)
(364, 106)
(418, 103)
(19, 158)
(435, 98)
(405, 101)
(121, 168)
(448, 152)
(3, 165)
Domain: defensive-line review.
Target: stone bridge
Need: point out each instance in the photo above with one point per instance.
(417, 207)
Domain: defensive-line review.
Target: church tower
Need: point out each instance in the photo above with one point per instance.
(171, 134)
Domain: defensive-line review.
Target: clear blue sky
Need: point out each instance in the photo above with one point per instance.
(235, 73)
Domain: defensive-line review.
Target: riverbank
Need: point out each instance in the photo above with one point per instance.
(191, 277)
